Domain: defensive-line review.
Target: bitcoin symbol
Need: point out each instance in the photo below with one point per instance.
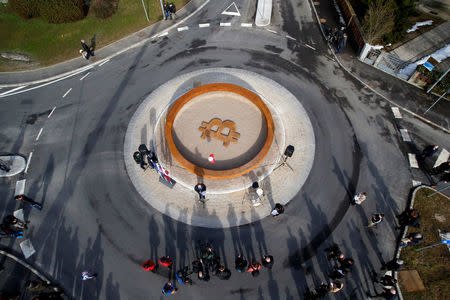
(207, 131)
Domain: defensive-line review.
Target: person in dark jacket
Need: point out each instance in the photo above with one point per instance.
(388, 294)
(445, 166)
(334, 252)
(346, 263)
(203, 274)
(267, 261)
(429, 151)
(223, 273)
(386, 280)
(240, 263)
(413, 238)
(10, 220)
(28, 201)
(410, 217)
(393, 265)
(375, 220)
(338, 273)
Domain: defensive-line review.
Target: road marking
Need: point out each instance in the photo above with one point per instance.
(68, 91)
(28, 162)
(225, 24)
(182, 28)
(310, 47)
(246, 25)
(290, 37)
(232, 13)
(203, 25)
(396, 112)
(405, 135)
(50, 114)
(103, 63)
(20, 187)
(85, 76)
(163, 34)
(412, 160)
(13, 90)
(39, 134)
(416, 183)
(270, 30)
(443, 157)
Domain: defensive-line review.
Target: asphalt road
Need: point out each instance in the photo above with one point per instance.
(93, 218)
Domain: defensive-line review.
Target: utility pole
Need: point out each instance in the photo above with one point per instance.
(162, 8)
(443, 75)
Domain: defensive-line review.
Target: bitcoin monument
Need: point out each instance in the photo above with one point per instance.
(241, 118)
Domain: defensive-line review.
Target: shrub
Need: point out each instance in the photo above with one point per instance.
(61, 11)
(25, 8)
(104, 8)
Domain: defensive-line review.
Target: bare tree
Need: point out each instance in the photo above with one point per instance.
(379, 19)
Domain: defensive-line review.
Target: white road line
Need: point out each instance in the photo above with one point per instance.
(50, 114)
(396, 112)
(28, 162)
(405, 135)
(290, 37)
(20, 187)
(85, 76)
(68, 91)
(39, 134)
(225, 24)
(103, 63)
(203, 25)
(246, 25)
(163, 34)
(443, 157)
(13, 90)
(270, 30)
(311, 47)
(416, 183)
(412, 160)
(182, 28)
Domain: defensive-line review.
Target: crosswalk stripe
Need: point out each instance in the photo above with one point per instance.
(443, 157)
(405, 135)
(412, 160)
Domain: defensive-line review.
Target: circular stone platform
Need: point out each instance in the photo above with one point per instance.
(161, 115)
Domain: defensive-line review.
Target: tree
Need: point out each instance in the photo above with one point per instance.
(379, 19)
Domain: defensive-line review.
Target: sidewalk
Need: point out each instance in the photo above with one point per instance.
(71, 66)
(393, 89)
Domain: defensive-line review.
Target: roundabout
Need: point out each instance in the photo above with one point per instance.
(261, 119)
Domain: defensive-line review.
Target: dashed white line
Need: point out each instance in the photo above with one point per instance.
(443, 157)
(405, 135)
(103, 63)
(396, 112)
(68, 91)
(39, 134)
(203, 25)
(28, 162)
(270, 30)
(290, 37)
(13, 90)
(412, 160)
(246, 25)
(85, 76)
(182, 28)
(20, 187)
(311, 47)
(163, 34)
(225, 24)
(50, 114)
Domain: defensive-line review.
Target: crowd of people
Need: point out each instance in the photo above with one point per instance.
(169, 9)
(206, 265)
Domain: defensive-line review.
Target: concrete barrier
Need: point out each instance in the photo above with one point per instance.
(263, 13)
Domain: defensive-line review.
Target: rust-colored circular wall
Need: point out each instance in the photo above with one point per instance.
(223, 173)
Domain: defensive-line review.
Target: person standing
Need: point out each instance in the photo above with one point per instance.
(277, 210)
(393, 265)
(150, 265)
(429, 151)
(28, 201)
(359, 198)
(240, 263)
(86, 275)
(375, 220)
(200, 188)
(172, 9)
(165, 261)
(342, 43)
(86, 51)
(389, 294)
(169, 289)
(254, 268)
(334, 252)
(167, 12)
(223, 273)
(7, 231)
(10, 220)
(267, 261)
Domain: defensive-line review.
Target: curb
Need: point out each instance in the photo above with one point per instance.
(369, 87)
(91, 65)
(26, 265)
